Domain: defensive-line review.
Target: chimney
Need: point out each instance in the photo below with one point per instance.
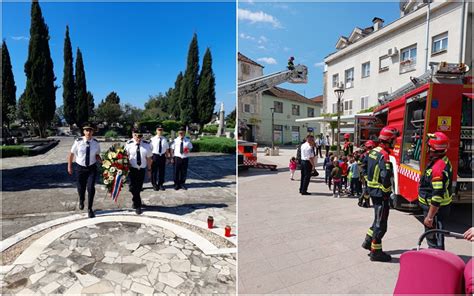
(378, 23)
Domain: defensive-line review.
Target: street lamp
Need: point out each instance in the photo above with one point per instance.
(273, 128)
(339, 93)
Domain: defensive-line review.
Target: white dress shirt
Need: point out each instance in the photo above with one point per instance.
(187, 147)
(155, 144)
(307, 151)
(79, 149)
(145, 152)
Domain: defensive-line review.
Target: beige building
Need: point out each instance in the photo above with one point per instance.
(375, 61)
(255, 111)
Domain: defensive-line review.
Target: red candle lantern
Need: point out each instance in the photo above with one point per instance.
(210, 222)
(227, 231)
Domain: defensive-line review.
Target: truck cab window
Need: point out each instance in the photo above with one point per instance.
(413, 130)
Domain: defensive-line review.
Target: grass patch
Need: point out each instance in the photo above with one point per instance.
(214, 144)
(13, 150)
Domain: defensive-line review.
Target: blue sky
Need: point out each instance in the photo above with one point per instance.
(135, 49)
(270, 33)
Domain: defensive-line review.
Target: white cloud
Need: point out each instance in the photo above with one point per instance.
(262, 39)
(262, 47)
(258, 17)
(245, 36)
(267, 60)
(17, 38)
(319, 65)
(287, 49)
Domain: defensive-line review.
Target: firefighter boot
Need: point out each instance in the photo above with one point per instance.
(367, 242)
(380, 256)
(361, 198)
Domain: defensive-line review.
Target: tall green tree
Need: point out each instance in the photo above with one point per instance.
(109, 110)
(206, 92)
(90, 100)
(188, 90)
(82, 107)
(230, 119)
(8, 88)
(40, 88)
(69, 100)
(175, 106)
(22, 110)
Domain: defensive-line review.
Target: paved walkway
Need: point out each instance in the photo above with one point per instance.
(49, 246)
(289, 243)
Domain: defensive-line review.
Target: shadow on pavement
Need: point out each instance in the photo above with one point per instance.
(184, 209)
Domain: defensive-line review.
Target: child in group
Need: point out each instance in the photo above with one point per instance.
(355, 177)
(336, 174)
(292, 166)
(344, 171)
(328, 166)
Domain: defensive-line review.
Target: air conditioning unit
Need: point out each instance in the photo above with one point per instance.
(392, 52)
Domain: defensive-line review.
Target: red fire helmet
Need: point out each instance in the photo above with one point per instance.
(438, 141)
(388, 133)
(347, 136)
(370, 144)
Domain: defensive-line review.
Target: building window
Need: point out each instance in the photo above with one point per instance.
(366, 69)
(335, 80)
(248, 108)
(295, 110)
(408, 59)
(440, 43)
(364, 102)
(349, 74)
(334, 108)
(295, 129)
(310, 112)
(384, 63)
(278, 127)
(278, 106)
(348, 107)
(245, 69)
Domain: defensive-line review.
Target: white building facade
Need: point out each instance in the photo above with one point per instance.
(377, 60)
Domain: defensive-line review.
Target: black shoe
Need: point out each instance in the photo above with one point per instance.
(155, 188)
(184, 187)
(305, 193)
(162, 187)
(91, 214)
(138, 211)
(380, 256)
(366, 244)
(176, 187)
(81, 205)
(366, 205)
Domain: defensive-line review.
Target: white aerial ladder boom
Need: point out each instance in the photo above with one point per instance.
(298, 75)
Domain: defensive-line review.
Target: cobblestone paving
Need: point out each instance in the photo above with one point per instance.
(123, 258)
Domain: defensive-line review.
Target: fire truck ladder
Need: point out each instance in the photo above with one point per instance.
(297, 75)
(438, 70)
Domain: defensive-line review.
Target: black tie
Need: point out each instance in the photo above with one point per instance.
(139, 155)
(159, 147)
(181, 148)
(88, 153)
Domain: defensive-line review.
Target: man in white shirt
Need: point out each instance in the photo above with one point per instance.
(319, 146)
(86, 151)
(160, 151)
(307, 164)
(181, 148)
(139, 155)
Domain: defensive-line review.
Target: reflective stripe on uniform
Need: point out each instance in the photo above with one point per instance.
(437, 185)
(370, 232)
(442, 201)
(376, 246)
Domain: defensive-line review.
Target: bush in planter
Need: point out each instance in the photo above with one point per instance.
(333, 148)
(111, 134)
(210, 129)
(13, 150)
(171, 125)
(214, 144)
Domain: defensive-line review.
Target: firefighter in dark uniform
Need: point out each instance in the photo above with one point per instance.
(348, 147)
(139, 154)
(86, 151)
(364, 199)
(160, 153)
(435, 189)
(379, 183)
(291, 65)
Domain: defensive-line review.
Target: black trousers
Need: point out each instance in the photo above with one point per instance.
(137, 176)
(180, 170)
(327, 150)
(86, 180)
(356, 186)
(436, 241)
(306, 169)
(381, 211)
(319, 151)
(158, 170)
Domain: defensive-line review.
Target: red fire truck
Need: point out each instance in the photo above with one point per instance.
(440, 100)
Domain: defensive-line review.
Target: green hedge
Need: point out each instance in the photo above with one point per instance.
(111, 134)
(211, 129)
(13, 150)
(214, 144)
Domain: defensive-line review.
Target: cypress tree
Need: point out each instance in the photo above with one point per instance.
(69, 101)
(206, 93)
(82, 107)
(40, 88)
(175, 97)
(188, 90)
(90, 100)
(8, 87)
